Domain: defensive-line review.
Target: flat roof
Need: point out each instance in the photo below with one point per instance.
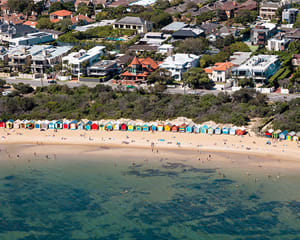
(174, 26)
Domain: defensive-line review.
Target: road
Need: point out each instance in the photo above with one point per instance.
(276, 97)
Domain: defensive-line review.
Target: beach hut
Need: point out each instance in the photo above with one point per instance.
(168, 127)
(153, 127)
(131, 127)
(232, 131)
(2, 123)
(190, 128)
(59, 124)
(94, 126)
(23, 124)
(291, 135)
(37, 124)
(182, 127)
(66, 124)
(88, 125)
(81, 125)
(174, 128)
(123, 127)
(117, 126)
(138, 127)
(51, 125)
(102, 125)
(109, 126)
(225, 130)
(275, 134)
(241, 131)
(268, 133)
(297, 137)
(73, 125)
(204, 129)
(17, 124)
(30, 125)
(211, 130)
(197, 128)
(218, 130)
(9, 124)
(45, 124)
(160, 127)
(146, 128)
(283, 135)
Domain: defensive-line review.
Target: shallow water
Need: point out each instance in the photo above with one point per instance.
(111, 198)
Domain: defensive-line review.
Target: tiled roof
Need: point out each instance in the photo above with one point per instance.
(219, 66)
(61, 13)
(30, 23)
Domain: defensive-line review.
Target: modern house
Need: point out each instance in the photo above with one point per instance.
(32, 39)
(139, 69)
(220, 71)
(134, 23)
(259, 68)
(78, 62)
(278, 44)
(185, 33)
(262, 32)
(154, 38)
(179, 63)
(102, 70)
(268, 10)
(166, 49)
(289, 15)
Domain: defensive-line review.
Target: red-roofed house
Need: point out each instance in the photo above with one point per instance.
(30, 23)
(139, 69)
(219, 72)
(81, 17)
(59, 15)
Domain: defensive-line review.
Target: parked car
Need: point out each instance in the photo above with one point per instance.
(52, 82)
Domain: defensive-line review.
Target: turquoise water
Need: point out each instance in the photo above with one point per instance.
(77, 197)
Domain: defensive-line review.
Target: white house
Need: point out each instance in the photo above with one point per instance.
(179, 63)
(166, 49)
(219, 72)
(79, 61)
(134, 23)
(275, 44)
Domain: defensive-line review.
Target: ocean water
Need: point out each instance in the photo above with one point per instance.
(79, 197)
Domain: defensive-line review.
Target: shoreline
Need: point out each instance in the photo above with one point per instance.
(287, 151)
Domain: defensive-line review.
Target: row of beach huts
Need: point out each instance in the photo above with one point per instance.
(120, 126)
(140, 127)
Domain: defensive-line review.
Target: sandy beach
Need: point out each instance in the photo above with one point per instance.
(286, 151)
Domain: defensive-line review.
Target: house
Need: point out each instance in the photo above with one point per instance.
(16, 124)
(241, 131)
(88, 125)
(296, 60)
(168, 127)
(81, 19)
(133, 23)
(109, 126)
(73, 125)
(55, 34)
(190, 128)
(30, 23)
(179, 63)
(154, 38)
(218, 130)
(137, 49)
(94, 126)
(262, 32)
(185, 33)
(259, 68)
(123, 127)
(66, 124)
(173, 27)
(146, 128)
(232, 131)
(59, 15)
(174, 128)
(238, 58)
(59, 124)
(166, 49)
(160, 127)
(268, 10)
(278, 44)
(211, 130)
(31, 39)
(101, 71)
(130, 127)
(227, 6)
(139, 69)
(182, 127)
(79, 62)
(9, 124)
(289, 15)
(204, 129)
(283, 135)
(225, 130)
(219, 72)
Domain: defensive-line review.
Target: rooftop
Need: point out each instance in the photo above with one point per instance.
(178, 59)
(239, 57)
(61, 13)
(174, 26)
(131, 20)
(259, 62)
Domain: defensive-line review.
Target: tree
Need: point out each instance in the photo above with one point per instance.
(243, 96)
(2, 83)
(245, 82)
(25, 6)
(23, 88)
(63, 25)
(56, 6)
(160, 76)
(44, 23)
(239, 47)
(245, 17)
(192, 45)
(162, 4)
(197, 78)
(69, 6)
